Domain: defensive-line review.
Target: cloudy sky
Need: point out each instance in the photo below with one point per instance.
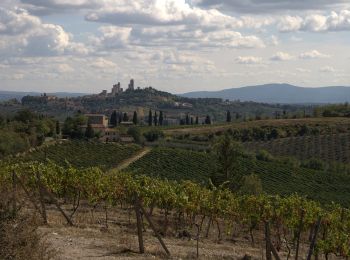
(173, 45)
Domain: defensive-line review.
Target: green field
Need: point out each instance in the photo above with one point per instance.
(325, 147)
(277, 178)
(83, 154)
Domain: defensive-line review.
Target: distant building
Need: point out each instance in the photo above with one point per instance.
(110, 135)
(103, 93)
(116, 89)
(97, 120)
(126, 139)
(131, 85)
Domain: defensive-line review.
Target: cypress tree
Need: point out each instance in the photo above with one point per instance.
(208, 120)
(191, 120)
(187, 119)
(228, 117)
(125, 117)
(197, 120)
(161, 118)
(114, 119)
(89, 132)
(150, 118)
(155, 119)
(120, 118)
(134, 118)
(58, 128)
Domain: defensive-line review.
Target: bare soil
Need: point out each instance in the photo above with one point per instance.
(94, 238)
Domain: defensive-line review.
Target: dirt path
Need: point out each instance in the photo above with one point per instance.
(129, 161)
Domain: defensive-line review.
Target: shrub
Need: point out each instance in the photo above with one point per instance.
(153, 135)
(315, 164)
(251, 185)
(136, 134)
(264, 155)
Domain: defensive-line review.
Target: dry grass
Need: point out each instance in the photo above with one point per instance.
(19, 237)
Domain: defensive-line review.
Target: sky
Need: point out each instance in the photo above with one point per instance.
(173, 45)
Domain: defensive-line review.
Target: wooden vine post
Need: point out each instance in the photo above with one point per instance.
(269, 246)
(14, 197)
(299, 233)
(41, 197)
(140, 209)
(314, 239)
(139, 224)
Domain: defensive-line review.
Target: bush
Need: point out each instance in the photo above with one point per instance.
(136, 134)
(315, 164)
(153, 135)
(264, 155)
(251, 185)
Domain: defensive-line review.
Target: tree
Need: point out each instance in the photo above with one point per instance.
(150, 118)
(197, 120)
(73, 126)
(58, 128)
(155, 118)
(134, 118)
(125, 117)
(161, 118)
(187, 119)
(120, 118)
(136, 134)
(251, 185)
(153, 135)
(228, 116)
(191, 120)
(227, 153)
(114, 119)
(208, 120)
(89, 132)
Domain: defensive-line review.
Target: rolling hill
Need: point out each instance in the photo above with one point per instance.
(6, 95)
(279, 93)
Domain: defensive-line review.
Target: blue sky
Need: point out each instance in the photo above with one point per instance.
(88, 45)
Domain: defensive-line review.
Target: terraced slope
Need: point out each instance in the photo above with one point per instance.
(277, 178)
(325, 147)
(83, 154)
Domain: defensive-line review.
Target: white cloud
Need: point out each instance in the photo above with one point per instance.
(314, 54)
(113, 37)
(303, 70)
(327, 69)
(101, 63)
(316, 22)
(248, 60)
(268, 6)
(25, 35)
(282, 56)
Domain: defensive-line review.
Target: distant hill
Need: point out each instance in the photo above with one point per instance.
(279, 93)
(6, 95)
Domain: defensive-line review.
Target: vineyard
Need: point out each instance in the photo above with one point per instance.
(291, 226)
(325, 147)
(277, 178)
(175, 164)
(82, 154)
(325, 125)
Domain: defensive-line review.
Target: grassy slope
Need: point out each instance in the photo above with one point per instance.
(85, 154)
(177, 164)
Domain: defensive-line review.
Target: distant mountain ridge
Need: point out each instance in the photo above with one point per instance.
(6, 95)
(279, 93)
